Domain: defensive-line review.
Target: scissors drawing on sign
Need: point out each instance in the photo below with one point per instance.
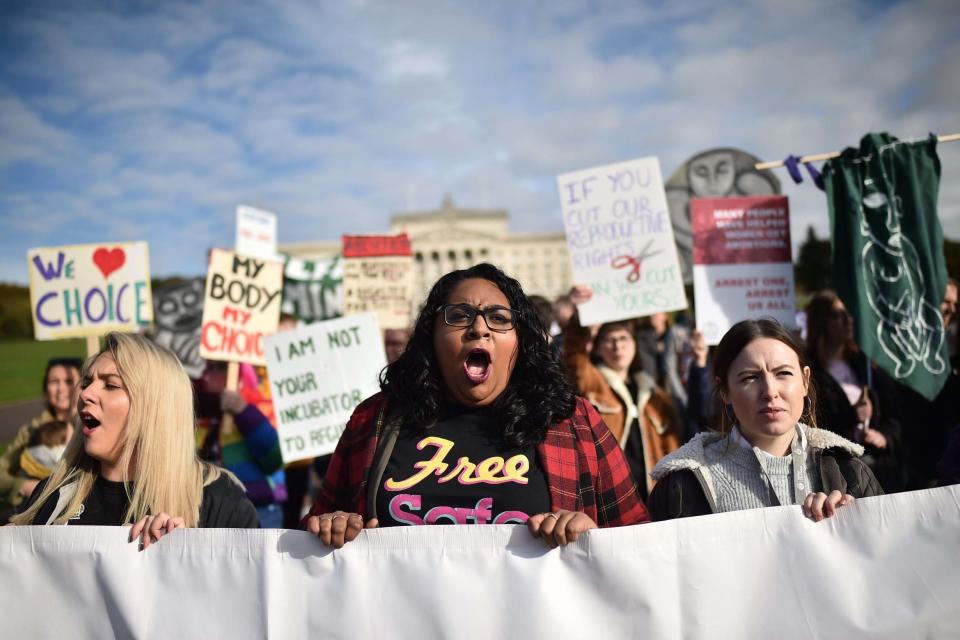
(635, 264)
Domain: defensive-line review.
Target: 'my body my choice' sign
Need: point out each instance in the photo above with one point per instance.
(89, 289)
(241, 306)
(318, 375)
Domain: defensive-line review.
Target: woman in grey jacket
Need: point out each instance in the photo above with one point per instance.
(769, 452)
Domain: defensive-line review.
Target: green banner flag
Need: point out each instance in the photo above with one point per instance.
(888, 264)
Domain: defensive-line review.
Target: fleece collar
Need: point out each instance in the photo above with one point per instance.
(691, 455)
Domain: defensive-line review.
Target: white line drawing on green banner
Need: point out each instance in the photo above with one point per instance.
(910, 329)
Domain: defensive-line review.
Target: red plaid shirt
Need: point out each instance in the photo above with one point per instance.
(585, 468)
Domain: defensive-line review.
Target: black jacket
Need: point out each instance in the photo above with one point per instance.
(681, 493)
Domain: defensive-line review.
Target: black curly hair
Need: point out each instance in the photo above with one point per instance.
(538, 394)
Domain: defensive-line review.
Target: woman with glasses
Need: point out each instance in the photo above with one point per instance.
(854, 403)
(640, 414)
(476, 423)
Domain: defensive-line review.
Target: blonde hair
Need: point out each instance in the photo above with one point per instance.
(157, 443)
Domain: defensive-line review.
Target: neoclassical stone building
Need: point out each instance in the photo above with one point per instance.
(453, 238)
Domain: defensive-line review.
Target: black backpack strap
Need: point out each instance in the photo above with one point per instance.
(386, 432)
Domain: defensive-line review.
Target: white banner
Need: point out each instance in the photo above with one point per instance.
(318, 375)
(882, 568)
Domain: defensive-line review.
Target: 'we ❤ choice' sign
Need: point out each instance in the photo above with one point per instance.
(89, 289)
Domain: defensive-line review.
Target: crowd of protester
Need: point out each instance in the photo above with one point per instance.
(495, 407)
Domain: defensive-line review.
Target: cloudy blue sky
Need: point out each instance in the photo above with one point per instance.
(146, 120)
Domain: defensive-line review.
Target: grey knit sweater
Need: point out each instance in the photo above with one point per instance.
(736, 477)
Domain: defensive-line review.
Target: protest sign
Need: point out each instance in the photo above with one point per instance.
(178, 313)
(620, 240)
(240, 307)
(378, 277)
(313, 289)
(89, 289)
(880, 568)
(256, 233)
(742, 263)
(318, 374)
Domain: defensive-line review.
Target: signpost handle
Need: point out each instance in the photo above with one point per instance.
(93, 345)
(227, 425)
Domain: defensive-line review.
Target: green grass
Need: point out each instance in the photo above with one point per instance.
(22, 363)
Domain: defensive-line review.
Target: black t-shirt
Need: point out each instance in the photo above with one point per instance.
(460, 471)
(105, 505)
(224, 505)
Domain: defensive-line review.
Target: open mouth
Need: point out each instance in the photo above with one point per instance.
(477, 366)
(89, 423)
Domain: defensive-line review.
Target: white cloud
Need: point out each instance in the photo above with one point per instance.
(335, 115)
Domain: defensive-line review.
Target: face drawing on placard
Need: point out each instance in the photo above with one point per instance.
(179, 308)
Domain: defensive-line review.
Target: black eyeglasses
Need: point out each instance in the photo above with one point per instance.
(463, 315)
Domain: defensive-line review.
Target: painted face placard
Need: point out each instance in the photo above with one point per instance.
(620, 240)
(178, 313)
(318, 374)
(378, 277)
(742, 263)
(241, 306)
(256, 233)
(89, 289)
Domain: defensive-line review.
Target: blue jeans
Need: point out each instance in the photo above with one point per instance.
(271, 516)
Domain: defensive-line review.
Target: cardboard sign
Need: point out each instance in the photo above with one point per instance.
(241, 305)
(313, 289)
(89, 289)
(318, 374)
(378, 277)
(621, 241)
(256, 233)
(742, 262)
(178, 313)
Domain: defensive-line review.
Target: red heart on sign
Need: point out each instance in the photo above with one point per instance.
(109, 260)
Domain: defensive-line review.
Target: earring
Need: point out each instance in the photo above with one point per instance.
(806, 408)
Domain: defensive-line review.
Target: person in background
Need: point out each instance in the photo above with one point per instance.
(660, 345)
(394, 342)
(45, 448)
(545, 312)
(60, 381)
(769, 451)
(639, 413)
(476, 423)
(250, 449)
(132, 460)
(702, 411)
(948, 309)
(563, 310)
(932, 441)
(297, 473)
(849, 406)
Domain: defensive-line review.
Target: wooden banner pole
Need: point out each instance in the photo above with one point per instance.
(817, 157)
